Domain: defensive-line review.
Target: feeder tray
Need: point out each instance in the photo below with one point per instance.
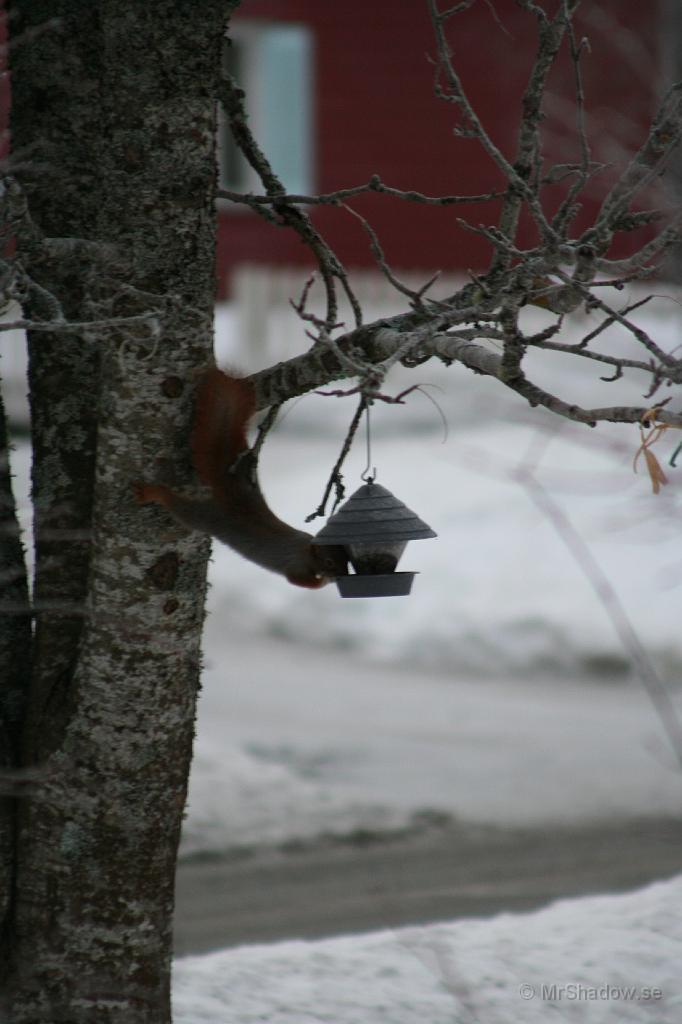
(388, 584)
(374, 526)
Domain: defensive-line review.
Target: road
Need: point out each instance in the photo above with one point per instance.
(440, 873)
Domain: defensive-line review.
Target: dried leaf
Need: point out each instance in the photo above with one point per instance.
(656, 474)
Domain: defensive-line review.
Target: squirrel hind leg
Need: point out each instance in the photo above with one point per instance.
(152, 494)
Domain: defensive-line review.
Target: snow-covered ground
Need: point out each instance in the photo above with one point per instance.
(495, 692)
(599, 960)
(498, 691)
(292, 743)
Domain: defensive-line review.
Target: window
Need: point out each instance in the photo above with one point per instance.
(273, 64)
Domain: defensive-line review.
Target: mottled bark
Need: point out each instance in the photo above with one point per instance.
(118, 96)
(671, 61)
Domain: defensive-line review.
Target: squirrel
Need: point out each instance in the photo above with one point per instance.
(237, 513)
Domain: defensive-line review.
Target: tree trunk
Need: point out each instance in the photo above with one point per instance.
(671, 71)
(117, 97)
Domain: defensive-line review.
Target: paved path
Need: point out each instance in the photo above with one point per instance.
(439, 874)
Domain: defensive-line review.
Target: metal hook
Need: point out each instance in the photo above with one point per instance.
(366, 475)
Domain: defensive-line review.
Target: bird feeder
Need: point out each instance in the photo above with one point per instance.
(374, 526)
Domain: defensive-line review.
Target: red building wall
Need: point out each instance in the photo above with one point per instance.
(375, 112)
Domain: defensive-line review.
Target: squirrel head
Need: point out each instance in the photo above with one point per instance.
(326, 563)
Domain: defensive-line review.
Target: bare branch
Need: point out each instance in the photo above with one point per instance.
(609, 320)
(77, 326)
(336, 479)
(264, 428)
(557, 274)
(379, 342)
(474, 127)
(550, 36)
(640, 334)
(645, 166)
(639, 264)
(415, 295)
(619, 362)
(331, 269)
(339, 196)
(564, 215)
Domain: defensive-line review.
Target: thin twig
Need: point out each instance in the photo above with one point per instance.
(331, 268)
(339, 196)
(77, 326)
(566, 212)
(612, 605)
(474, 127)
(264, 428)
(415, 296)
(336, 479)
(640, 334)
(644, 168)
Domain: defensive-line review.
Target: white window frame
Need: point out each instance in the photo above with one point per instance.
(277, 78)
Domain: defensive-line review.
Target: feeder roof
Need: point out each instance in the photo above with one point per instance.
(372, 515)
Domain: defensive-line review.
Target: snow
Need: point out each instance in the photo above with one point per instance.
(292, 743)
(600, 960)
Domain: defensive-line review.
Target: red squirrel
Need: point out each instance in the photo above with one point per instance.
(237, 513)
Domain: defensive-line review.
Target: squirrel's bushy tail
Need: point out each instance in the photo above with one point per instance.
(224, 407)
